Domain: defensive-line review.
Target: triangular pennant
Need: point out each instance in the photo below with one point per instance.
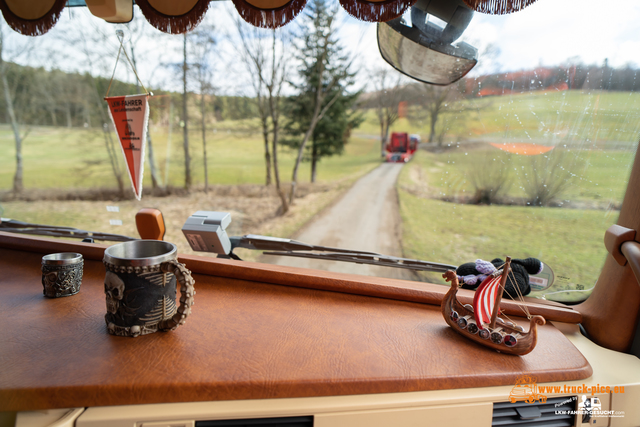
(130, 115)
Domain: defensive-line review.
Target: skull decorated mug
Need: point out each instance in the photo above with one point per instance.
(140, 286)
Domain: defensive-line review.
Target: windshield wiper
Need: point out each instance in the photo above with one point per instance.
(206, 232)
(293, 248)
(13, 226)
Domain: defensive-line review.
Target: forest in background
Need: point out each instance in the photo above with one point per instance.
(56, 98)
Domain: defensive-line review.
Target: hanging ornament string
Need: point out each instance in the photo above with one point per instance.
(519, 295)
(130, 117)
(120, 35)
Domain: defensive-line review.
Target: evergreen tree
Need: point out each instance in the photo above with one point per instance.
(321, 114)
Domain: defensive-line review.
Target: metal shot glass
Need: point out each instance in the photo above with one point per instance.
(62, 274)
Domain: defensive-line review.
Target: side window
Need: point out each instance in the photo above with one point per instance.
(530, 155)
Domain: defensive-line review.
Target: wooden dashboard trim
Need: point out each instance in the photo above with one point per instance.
(401, 290)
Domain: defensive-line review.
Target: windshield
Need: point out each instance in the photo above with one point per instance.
(528, 155)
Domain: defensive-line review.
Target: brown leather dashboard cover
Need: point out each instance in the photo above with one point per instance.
(245, 339)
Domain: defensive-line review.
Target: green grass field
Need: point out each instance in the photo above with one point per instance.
(67, 158)
(600, 176)
(573, 117)
(77, 158)
(569, 240)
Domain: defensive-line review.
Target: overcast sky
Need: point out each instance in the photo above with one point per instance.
(549, 32)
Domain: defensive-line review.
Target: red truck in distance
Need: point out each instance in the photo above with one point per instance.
(401, 147)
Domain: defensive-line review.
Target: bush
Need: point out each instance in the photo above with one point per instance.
(548, 176)
(490, 177)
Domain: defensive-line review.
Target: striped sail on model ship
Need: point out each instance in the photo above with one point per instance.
(480, 322)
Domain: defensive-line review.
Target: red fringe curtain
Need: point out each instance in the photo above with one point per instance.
(498, 7)
(267, 17)
(376, 11)
(174, 24)
(32, 27)
(259, 13)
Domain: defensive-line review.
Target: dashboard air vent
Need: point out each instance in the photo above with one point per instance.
(522, 414)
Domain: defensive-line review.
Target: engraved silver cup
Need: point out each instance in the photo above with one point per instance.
(62, 274)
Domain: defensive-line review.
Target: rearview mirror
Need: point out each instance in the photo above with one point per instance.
(425, 51)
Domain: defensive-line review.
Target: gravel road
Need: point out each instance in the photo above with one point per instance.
(366, 218)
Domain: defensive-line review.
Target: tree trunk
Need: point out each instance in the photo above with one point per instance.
(185, 129)
(434, 120)
(87, 116)
(265, 136)
(314, 162)
(204, 143)
(284, 207)
(384, 139)
(155, 179)
(112, 158)
(68, 114)
(267, 154)
(54, 119)
(383, 136)
(267, 162)
(274, 102)
(317, 116)
(17, 177)
(166, 162)
(294, 176)
(108, 142)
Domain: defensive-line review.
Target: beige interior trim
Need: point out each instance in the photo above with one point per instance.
(30, 9)
(461, 407)
(173, 7)
(477, 414)
(113, 11)
(49, 418)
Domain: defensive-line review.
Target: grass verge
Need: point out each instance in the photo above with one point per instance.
(568, 240)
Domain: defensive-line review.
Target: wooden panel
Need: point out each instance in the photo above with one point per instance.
(244, 340)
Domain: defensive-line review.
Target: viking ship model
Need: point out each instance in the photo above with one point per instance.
(481, 323)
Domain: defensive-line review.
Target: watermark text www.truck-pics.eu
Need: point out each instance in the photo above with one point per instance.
(527, 390)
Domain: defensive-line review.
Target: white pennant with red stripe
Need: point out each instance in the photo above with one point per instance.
(130, 115)
(484, 300)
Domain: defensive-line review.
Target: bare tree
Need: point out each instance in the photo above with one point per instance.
(432, 103)
(254, 56)
(136, 28)
(108, 138)
(317, 47)
(18, 185)
(185, 117)
(203, 48)
(264, 53)
(387, 95)
(96, 47)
